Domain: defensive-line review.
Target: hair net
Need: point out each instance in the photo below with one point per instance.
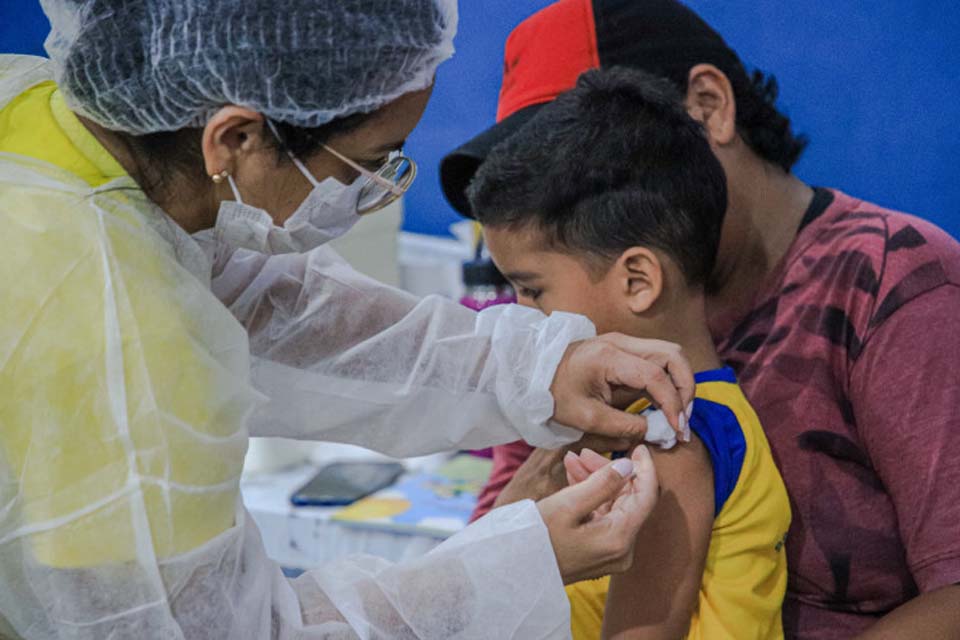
(143, 66)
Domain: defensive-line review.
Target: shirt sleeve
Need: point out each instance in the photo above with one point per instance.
(905, 392)
(455, 591)
(507, 458)
(333, 349)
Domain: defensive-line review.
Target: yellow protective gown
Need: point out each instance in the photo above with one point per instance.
(126, 389)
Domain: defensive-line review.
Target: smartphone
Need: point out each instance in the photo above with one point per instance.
(342, 483)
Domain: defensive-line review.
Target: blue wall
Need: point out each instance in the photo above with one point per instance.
(22, 27)
(873, 84)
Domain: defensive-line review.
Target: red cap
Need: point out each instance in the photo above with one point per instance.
(546, 54)
(549, 50)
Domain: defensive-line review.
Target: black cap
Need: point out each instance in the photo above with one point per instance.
(459, 166)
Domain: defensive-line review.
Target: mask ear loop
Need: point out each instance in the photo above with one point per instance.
(303, 169)
(296, 161)
(233, 187)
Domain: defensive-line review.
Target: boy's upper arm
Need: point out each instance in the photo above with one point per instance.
(905, 392)
(656, 597)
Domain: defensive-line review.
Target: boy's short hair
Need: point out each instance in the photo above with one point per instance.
(614, 163)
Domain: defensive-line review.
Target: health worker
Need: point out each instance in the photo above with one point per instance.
(168, 181)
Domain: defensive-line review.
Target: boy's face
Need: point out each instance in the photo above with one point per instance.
(551, 280)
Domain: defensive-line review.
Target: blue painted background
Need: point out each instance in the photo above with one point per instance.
(22, 27)
(875, 85)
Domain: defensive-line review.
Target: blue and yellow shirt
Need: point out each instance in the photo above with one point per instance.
(745, 575)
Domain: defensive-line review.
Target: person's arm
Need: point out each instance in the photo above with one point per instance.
(656, 597)
(459, 589)
(123, 441)
(934, 615)
(507, 458)
(905, 393)
(428, 375)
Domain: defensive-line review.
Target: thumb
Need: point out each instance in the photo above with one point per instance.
(603, 486)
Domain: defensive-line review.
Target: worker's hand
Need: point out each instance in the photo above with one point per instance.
(614, 369)
(593, 525)
(543, 473)
(578, 466)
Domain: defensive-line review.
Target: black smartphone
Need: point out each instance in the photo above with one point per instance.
(342, 483)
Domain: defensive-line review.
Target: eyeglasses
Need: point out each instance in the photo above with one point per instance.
(384, 185)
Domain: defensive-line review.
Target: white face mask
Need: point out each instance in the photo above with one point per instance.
(328, 212)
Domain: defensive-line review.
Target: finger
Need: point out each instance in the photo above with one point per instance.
(576, 471)
(610, 422)
(629, 370)
(584, 469)
(644, 486)
(667, 355)
(599, 488)
(602, 510)
(650, 348)
(593, 460)
(644, 469)
(618, 526)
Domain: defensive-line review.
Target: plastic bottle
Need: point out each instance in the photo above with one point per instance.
(485, 285)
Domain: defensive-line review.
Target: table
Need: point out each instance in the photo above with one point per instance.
(306, 537)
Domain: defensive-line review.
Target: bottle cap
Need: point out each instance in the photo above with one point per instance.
(482, 272)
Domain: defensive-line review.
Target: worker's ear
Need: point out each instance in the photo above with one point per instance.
(711, 102)
(230, 137)
(640, 276)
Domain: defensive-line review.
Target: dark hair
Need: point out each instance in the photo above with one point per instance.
(614, 163)
(163, 154)
(667, 38)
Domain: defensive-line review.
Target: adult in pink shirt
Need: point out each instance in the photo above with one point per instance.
(839, 317)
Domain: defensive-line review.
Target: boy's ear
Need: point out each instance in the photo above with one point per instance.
(642, 278)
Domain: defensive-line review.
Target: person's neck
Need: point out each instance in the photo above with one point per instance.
(685, 323)
(184, 210)
(766, 206)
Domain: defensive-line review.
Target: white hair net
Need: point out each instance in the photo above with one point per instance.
(143, 66)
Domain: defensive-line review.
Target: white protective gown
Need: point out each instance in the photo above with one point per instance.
(125, 399)
(420, 375)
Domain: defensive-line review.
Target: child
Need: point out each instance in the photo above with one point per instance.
(609, 203)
